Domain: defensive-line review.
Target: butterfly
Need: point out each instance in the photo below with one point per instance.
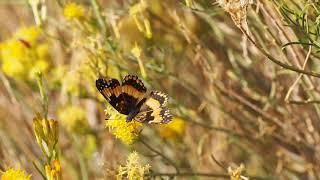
(130, 98)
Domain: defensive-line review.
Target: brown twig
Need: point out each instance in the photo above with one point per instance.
(269, 56)
(286, 99)
(232, 94)
(304, 102)
(199, 174)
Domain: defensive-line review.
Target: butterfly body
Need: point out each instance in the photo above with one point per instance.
(130, 98)
(132, 114)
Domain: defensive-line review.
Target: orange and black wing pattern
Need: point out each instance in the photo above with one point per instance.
(133, 89)
(154, 110)
(125, 97)
(111, 90)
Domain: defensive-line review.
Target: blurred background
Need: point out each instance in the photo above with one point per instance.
(241, 76)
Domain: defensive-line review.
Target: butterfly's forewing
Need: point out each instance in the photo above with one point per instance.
(133, 87)
(154, 109)
(112, 90)
(124, 98)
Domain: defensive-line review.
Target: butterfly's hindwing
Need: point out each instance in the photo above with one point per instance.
(165, 115)
(154, 116)
(160, 97)
(154, 109)
(144, 115)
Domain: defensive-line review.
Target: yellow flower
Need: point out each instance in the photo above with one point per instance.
(12, 174)
(73, 118)
(13, 68)
(235, 174)
(13, 49)
(136, 50)
(29, 34)
(133, 170)
(14, 58)
(47, 134)
(40, 65)
(22, 56)
(172, 129)
(127, 132)
(42, 50)
(53, 170)
(73, 11)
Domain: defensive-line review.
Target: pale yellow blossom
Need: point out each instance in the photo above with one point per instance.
(73, 118)
(133, 170)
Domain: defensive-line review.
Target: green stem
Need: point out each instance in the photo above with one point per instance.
(82, 163)
(38, 169)
(43, 94)
(97, 11)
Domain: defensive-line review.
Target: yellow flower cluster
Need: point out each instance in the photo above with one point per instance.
(127, 132)
(53, 171)
(73, 11)
(236, 174)
(30, 34)
(73, 118)
(47, 134)
(12, 174)
(133, 170)
(23, 55)
(136, 51)
(173, 129)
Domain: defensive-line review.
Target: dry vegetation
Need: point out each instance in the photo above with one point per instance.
(242, 77)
